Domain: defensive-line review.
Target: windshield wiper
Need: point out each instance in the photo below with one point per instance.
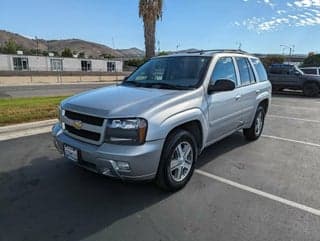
(158, 85)
(134, 83)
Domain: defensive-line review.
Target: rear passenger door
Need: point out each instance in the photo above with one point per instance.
(249, 89)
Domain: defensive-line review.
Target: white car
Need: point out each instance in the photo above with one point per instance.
(156, 123)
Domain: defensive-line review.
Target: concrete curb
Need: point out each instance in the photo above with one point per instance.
(26, 126)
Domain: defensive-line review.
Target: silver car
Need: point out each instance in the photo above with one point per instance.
(156, 123)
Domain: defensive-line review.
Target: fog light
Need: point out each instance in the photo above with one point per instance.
(123, 166)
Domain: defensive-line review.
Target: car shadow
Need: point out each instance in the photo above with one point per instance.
(291, 93)
(49, 198)
(52, 199)
(224, 146)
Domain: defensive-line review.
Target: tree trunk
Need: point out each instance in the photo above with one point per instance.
(149, 38)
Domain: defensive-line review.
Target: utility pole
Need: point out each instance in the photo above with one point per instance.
(178, 46)
(158, 43)
(291, 50)
(37, 41)
(239, 45)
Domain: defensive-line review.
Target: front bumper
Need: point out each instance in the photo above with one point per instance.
(143, 160)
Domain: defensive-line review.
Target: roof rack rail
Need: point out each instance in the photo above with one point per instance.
(218, 50)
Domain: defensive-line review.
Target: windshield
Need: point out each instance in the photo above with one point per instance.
(170, 72)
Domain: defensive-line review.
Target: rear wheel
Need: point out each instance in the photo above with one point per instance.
(177, 161)
(311, 89)
(254, 132)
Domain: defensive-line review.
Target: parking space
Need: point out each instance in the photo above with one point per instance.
(263, 190)
(301, 108)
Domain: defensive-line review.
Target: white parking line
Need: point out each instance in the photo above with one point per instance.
(260, 193)
(293, 118)
(294, 107)
(291, 140)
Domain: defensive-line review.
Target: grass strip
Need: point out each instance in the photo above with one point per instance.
(20, 110)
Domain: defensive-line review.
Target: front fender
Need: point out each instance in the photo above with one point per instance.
(173, 121)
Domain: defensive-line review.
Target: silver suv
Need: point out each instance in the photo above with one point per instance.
(155, 124)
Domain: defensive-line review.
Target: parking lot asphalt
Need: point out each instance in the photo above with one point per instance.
(263, 190)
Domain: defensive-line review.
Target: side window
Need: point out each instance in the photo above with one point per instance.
(309, 71)
(224, 69)
(245, 70)
(262, 74)
(290, 70)
(274, 70)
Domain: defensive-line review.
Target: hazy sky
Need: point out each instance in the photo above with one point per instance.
(259, 25)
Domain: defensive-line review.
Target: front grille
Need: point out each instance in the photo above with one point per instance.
(83, 133)
(84, 118)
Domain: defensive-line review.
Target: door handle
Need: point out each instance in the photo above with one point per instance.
(238, 97)
(257, 91)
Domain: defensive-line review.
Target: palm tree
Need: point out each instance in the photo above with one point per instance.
(150, 11)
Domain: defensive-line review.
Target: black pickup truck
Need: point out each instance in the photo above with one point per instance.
(286, 76)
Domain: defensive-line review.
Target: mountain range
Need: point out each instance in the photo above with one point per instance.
(76, 45)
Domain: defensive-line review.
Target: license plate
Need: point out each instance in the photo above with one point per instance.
(71, 153)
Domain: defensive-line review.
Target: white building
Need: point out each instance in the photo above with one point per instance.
(51, 63)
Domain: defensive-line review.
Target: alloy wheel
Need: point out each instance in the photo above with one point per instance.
(181, 161)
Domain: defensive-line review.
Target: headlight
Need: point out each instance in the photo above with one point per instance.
(126, 131)
(60, 114)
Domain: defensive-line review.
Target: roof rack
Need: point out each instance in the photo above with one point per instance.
(218, 51)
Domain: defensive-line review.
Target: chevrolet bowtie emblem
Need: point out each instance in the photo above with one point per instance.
(77, 124)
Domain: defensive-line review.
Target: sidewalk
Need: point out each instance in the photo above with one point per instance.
(26, 129)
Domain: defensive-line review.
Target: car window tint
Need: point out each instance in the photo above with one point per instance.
(274, 70)
(180, 71)
(262, 74)
(309, 71)
(224, 69)
(246, 75)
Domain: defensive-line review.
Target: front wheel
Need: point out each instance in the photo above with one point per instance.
(177, 161)
(254, 132)
(311, 90)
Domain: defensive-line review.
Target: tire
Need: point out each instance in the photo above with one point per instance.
(171, 166)
(275, 89)
(254, 132)
(311, 89)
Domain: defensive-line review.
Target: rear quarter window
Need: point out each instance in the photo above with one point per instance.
(261, 72)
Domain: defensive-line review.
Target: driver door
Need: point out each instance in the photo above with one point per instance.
(224, 107)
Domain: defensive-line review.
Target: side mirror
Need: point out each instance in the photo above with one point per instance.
(125, 78)
(221, 85)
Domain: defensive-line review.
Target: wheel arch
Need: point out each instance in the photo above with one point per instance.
(265, 104)
(194, 127)
(311, 82)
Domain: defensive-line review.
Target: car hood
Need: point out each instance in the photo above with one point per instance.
(119, 101)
